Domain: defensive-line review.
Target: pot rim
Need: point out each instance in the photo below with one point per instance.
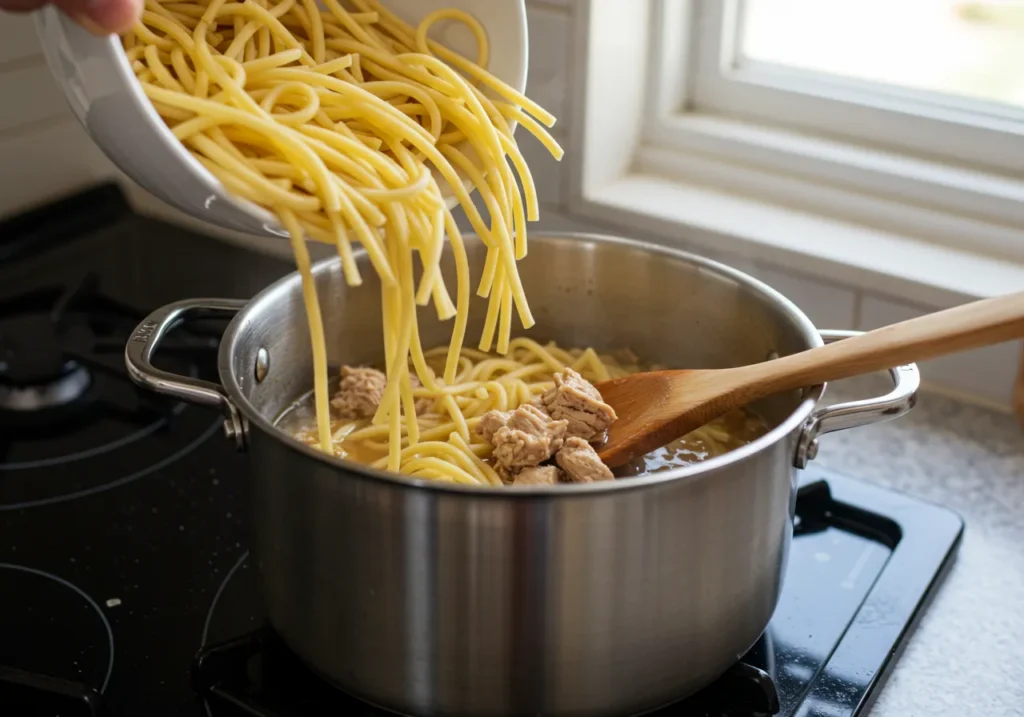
(351, 469)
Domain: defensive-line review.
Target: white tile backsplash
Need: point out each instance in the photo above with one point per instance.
(987, 373)
(44, 153)
(34, 81)
(46, 163)
(552, 220)
(549, 58)
(17, 38)
(827, 305)
(547, 172)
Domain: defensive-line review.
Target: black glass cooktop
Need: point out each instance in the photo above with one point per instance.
(124, 578)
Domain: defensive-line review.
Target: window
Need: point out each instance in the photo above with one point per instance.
(955, 50)
(904, 115)
(914, 75)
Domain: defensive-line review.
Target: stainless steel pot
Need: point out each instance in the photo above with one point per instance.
(601, 599)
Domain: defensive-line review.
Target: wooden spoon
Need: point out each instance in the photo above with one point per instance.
(657, 407)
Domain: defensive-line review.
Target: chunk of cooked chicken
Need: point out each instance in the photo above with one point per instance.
(490, 422)
(538, 475)
(575, 400)
(528, 438)
(580, 462)
(360, 392)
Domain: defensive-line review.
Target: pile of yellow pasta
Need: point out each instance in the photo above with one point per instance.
(448, 447)
(346, 122)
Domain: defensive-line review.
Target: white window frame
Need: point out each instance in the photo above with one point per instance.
(962, 131)
(668, 131)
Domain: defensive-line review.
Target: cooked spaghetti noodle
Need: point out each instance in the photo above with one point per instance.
(346, 123)
(450, 449)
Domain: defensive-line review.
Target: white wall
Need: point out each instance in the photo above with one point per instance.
(45, 154)
(43, 151)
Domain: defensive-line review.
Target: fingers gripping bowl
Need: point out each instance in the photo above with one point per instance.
(603, 598)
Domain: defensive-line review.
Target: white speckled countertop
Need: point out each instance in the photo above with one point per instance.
(965, 658)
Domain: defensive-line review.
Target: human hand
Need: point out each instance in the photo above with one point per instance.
(100, 17)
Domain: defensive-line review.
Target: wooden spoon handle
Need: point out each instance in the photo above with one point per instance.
(979, 323)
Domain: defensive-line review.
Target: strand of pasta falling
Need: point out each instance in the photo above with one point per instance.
(263, 81)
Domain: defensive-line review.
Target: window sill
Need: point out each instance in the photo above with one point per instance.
(853, 254)
(945, 202)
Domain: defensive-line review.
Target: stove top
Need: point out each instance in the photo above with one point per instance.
(124, 573)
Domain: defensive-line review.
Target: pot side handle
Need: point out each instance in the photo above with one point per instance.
(903, 397)
(143, 343)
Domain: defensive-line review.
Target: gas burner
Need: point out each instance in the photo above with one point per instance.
(58, 650)
(61, 361)
(36, 372)
(60, 391)
(54, 345)
(66, 401)
(37, 376)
